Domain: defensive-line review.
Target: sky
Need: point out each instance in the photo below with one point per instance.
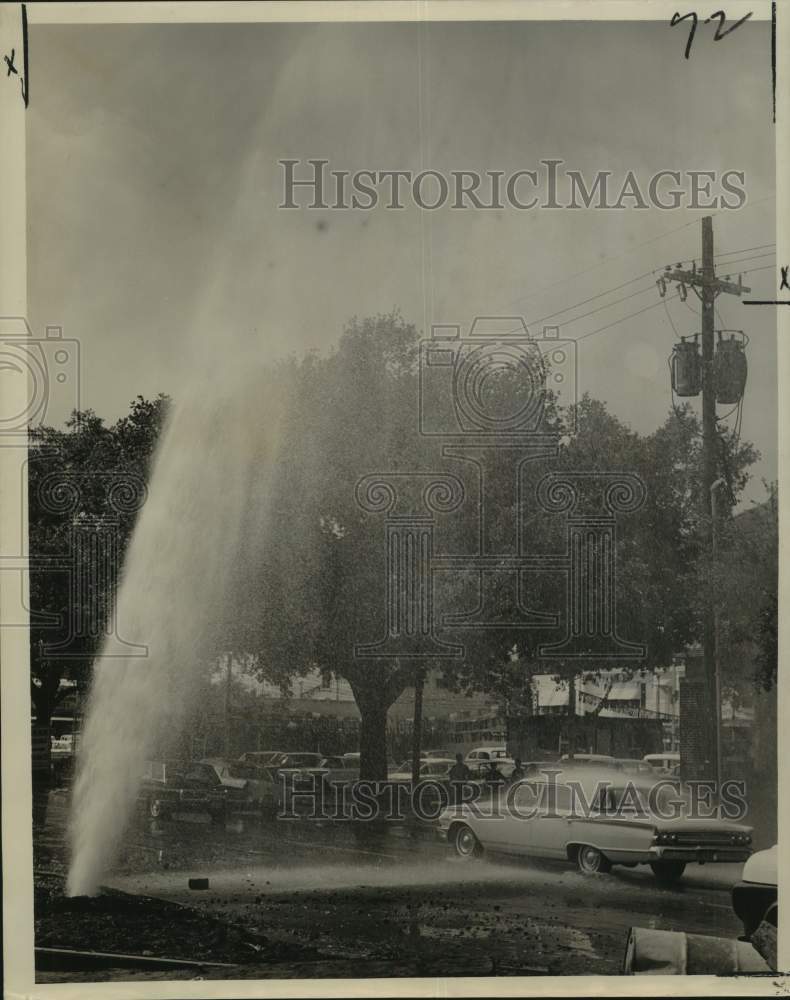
(155, 237)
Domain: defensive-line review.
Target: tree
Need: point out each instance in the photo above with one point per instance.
(320, 586)
(745, 580)
(86, 483)
(660, 556)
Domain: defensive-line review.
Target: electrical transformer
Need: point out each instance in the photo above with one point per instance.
(686, 366)
(729, 370)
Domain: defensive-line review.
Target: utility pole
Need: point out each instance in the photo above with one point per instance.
(416, 744)
(228, 680)
(707, 287)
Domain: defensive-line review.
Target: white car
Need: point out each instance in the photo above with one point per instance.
(617, 828)
(482, 755)
(583, 759)
(435, 769)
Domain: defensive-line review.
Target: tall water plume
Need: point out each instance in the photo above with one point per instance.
(213, 467)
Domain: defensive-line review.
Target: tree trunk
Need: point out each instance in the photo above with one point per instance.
(374, 691)
(373, 742)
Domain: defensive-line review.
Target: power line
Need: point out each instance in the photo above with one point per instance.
(729, 253)
(608, 305)
(654, 239)
(592, 298)
(732, 253)
(601, 263)
(638, 312)
(728, 265)
(765, 267)
(622, 319)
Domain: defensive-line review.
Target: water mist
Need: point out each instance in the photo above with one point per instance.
(213, 465)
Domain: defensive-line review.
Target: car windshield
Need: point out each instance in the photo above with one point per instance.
(333, 762)
(265, 757)
(302, 760)
(434, 769)
(243, 771)
(202, 772)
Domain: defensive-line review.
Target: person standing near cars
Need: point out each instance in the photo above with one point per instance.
(459, 775)
(493, 777)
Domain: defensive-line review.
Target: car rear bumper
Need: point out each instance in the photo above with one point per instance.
(700, 854)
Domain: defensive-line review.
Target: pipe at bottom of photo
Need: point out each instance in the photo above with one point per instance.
(651, 952)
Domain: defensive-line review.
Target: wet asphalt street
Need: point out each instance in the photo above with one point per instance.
(390, 900)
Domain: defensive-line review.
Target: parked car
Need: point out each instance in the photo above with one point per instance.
(228, 791)
(632, 765)
(354, 760)
(262, 758)
(478, 759)
(338, 770)
(327, 774)
(299, 760)
(754, 895)
(164, 790)
(588, 759)
(609, 832)
(481, 755)
(435, 769)
(667, 762)
(261, 787)
(244, 782)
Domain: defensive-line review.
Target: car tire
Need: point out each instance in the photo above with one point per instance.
(590, 861)
(668, 872)
(465, 844)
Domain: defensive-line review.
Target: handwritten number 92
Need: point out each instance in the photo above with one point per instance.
(721, 31)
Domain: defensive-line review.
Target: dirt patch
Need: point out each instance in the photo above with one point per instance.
(138, 925)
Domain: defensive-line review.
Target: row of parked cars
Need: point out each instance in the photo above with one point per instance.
(251, 784)
(254, 782)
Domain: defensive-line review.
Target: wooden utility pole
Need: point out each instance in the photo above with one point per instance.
(707, 286)
(416, 745)
(709, 469)
(228, 680)
(572, 698)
